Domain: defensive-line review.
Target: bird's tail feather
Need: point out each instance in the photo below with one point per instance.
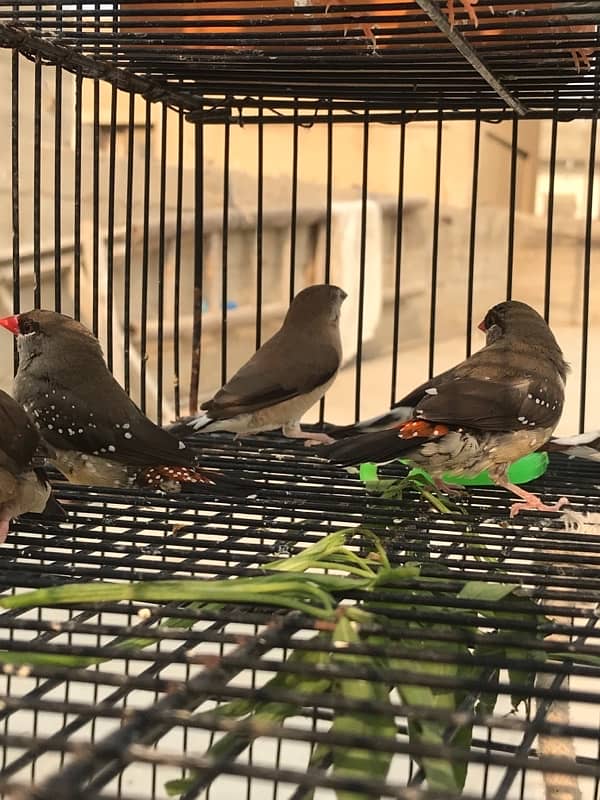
(381, 446)
(187, 426)
(54, 509)
(379, 423)
(583, 445)
(201, 480)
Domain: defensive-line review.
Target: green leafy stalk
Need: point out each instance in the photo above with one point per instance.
(293, 591)
(263, 715)
(356, 762)
(442, 774)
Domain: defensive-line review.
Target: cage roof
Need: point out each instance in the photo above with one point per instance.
(269, 59)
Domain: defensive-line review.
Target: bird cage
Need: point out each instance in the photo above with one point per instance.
(173, 174)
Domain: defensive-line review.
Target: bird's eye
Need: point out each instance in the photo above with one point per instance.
(491, 319)
(28, 326)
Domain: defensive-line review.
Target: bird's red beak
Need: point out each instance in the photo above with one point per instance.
(11, 324)
(481, 325)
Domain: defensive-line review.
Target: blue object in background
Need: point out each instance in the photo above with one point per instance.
(231, 304)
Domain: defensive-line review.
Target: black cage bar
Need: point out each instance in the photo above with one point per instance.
(167, 180)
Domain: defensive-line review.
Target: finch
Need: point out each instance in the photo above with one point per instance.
(98, 434)
(285, 377)
(488, 411)
(23, 484)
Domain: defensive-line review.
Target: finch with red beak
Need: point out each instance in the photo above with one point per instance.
(100, 437)
(488, 411)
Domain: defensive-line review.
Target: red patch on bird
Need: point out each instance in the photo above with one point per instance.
(156, 477)
(421, 428)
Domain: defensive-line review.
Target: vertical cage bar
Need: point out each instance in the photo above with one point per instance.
(37, 169)
(587, 268)
(259, 225)
(362, 265)
(160, 301)
(225, 252)
(145, 253)
(177, 268)
(434, 247)
(198, 263)
(294, 206)
(328, 216)
(128, 245)
(597, 780)
(398, 260)
(473, 234)
(15, 203)
(96, 208)
(512, 207)
(77, 198)
(550, 217)
(58, 189)
(110, 227)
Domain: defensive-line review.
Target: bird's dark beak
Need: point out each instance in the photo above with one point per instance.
(481, 325)
(11, 324)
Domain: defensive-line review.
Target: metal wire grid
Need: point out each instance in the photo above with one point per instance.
(124, 727)
(218, 60)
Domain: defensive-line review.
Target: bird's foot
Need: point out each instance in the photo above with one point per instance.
(366, 28)
(531, 502)
(312, 438)
(370, 35)
(581, 58)
(451, 489)
(468, 6)
(318, 438)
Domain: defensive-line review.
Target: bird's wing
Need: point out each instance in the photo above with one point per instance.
(491, 405)
(103, 420)
(279, 371)
(450, 375)
(20, 441)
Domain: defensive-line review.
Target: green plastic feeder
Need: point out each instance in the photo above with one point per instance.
(524, 470)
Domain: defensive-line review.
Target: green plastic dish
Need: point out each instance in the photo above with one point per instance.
(524, 470)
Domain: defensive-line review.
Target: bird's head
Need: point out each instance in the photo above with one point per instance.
(512, 317)
(524, 326)
(316, 304)
(42, 332)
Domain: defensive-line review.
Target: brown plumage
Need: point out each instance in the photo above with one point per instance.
(99, 435)
(285, 377)
(23, 484)
(488, 411)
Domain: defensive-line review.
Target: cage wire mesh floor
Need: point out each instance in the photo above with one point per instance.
(140, 706)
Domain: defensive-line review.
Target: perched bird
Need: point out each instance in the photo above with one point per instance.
(488, 411)
(24, 487)
(582, 445)
(98, 434)
(285, 377)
